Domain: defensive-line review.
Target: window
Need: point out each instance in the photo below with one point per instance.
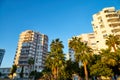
(105, 35)
(101, 26)
(93, 43)
(97, 41)
(104, 31)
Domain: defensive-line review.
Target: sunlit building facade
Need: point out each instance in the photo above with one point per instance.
(34, 45)
(104, 23)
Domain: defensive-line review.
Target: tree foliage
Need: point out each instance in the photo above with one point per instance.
(55, 59)
(82, 52)
(112, 42)
(13, 70)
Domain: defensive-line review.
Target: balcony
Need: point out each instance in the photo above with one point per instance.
(111, 14)
(114, 20)
(24, 55)
(114, 24)
(116, 30)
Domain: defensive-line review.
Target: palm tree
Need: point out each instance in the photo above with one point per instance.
(71, 68)
(108, 57)
(81, 52)
(55, 59)
(112, 42)
(112, 59)
(13, 70)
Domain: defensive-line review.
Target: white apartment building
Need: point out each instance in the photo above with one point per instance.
(88, 38)
(34, 45)
(104, 23)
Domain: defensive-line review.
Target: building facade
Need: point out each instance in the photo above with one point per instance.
(33, 45)
(104, 23)
(2, 52)
(5, 72)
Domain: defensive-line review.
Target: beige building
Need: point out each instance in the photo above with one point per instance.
(31, 45)
(104, 23)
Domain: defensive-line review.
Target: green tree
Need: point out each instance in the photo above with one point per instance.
(82, 52)
(112, 42)
(13, 70)
(71, 68)
(105, 64)
(31, 63)
(55, 59)
(46, 73)
(100, 69)
(108, 57)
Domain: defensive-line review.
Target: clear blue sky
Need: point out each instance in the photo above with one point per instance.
(55, 18)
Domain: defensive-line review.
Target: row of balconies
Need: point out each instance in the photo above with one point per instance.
(109, 11)
(112, 15)
(114, 20)
(115, 30)
(114, 24)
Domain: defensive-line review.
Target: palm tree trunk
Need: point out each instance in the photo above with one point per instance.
(85, 70)
(114, 48)
(55, 73)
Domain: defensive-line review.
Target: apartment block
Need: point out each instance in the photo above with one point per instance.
(34, 45)
(2, 52)
(105, 22)
(5, 72)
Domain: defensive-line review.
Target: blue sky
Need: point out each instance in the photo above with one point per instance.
(55, 18)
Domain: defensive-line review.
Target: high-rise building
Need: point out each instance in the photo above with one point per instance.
(104, 23)
(88, 38)
(2, 52)
(31, 45)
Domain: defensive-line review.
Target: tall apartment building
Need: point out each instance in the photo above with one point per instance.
(88, 38)
(2, 52)
(104, 23)
(31, 45)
